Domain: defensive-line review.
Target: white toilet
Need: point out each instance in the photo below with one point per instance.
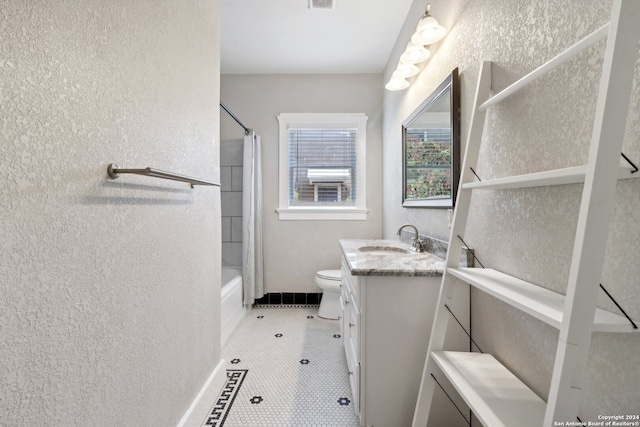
(329, 282)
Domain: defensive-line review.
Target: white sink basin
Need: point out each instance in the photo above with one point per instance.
(384, 250)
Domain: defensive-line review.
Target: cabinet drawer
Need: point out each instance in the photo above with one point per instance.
(345, 277)
(352, 283)
(345, 294)
(345, 298)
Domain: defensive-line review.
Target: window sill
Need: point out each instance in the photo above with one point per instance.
(322, 214)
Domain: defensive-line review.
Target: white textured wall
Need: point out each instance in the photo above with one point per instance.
(109, 290)
(296, 250)
(529, 233)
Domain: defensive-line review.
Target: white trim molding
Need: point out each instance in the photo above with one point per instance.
(320, 120)
(323, 214)
(202, 403)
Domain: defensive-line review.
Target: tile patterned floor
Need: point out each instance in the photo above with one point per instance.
(286, 367)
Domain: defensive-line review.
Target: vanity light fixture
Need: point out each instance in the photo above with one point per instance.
(428, 32)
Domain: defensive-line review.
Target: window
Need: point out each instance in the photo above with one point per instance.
(322, 166)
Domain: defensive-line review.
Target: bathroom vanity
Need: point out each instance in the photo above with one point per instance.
(388, 300)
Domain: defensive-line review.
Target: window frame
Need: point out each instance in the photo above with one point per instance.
(330, 121)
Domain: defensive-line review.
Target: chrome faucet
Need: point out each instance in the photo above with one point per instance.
(417, 244)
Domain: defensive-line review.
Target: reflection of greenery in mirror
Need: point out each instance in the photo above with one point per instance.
(431, 141)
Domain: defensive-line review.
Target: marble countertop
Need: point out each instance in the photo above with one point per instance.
(398, 262)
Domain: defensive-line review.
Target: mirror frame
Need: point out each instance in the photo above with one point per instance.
(452, 85)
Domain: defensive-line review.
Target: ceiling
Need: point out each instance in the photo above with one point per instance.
(286, 37)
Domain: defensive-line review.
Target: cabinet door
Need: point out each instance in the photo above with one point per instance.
(352, 285)
(354, 375)
(354, 329)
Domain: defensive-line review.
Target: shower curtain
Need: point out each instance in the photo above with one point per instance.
(252, 253)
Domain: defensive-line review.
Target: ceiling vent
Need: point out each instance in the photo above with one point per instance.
(322, 4)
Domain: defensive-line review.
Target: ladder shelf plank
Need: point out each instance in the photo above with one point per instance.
(541, 303)
(496, 396)
(571, 175)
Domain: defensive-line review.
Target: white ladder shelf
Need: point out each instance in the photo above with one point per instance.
(534, 300)
(572, 175)
(495, 395)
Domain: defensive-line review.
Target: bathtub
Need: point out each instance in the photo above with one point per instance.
(232, 311)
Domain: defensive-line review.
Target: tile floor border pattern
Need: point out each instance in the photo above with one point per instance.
(295, 373)
(218, 413)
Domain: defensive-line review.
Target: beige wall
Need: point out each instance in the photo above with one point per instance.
(529, 233)
(295, 250)
(109, 290)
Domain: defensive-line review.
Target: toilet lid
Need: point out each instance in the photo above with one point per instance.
(330, 275)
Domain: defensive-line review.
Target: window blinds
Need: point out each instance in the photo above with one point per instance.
(322, 166)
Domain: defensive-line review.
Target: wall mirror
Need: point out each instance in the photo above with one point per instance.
(431, 148)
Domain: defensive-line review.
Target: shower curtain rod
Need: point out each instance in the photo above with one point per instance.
(246, 129)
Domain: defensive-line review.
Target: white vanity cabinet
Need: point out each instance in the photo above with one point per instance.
(385, 322)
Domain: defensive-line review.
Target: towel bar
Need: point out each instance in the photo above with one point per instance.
(114, 172)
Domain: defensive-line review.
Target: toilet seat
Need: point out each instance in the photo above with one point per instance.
(329, 275)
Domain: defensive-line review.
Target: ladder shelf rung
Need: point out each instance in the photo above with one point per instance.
(545, 68)
(541, 303)
(494, 394)
(571, 175)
